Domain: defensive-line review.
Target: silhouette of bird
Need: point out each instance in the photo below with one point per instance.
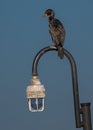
(56, 30)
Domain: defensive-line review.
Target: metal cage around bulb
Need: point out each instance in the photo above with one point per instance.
(35, 94)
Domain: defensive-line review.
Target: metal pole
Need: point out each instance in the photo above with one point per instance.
(86, 116)
(75, 88)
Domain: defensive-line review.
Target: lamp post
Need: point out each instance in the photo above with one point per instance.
(82, 111)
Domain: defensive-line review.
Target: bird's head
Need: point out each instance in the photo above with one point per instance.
(49, 13)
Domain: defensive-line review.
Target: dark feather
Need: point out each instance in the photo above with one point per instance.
(57, 31)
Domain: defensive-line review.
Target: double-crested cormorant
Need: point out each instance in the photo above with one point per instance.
(56, 30)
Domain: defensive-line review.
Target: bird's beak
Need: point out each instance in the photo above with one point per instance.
(45, 15)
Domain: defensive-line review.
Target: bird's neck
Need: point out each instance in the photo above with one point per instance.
(50, 19)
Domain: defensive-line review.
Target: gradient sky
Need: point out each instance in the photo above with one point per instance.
(23, 32)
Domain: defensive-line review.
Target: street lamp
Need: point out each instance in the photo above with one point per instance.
(35, 94)
(82, 111)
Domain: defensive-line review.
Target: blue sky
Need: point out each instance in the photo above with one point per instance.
(23, 32)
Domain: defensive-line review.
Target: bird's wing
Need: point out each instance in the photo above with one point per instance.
(60, 31)
(58, 25)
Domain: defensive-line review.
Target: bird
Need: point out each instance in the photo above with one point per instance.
(56, 30)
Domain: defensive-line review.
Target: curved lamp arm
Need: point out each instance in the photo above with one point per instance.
(74, 77)
(85, 121)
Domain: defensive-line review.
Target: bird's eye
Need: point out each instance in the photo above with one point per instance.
(49, 13)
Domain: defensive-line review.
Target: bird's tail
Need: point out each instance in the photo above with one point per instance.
(60, 52)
